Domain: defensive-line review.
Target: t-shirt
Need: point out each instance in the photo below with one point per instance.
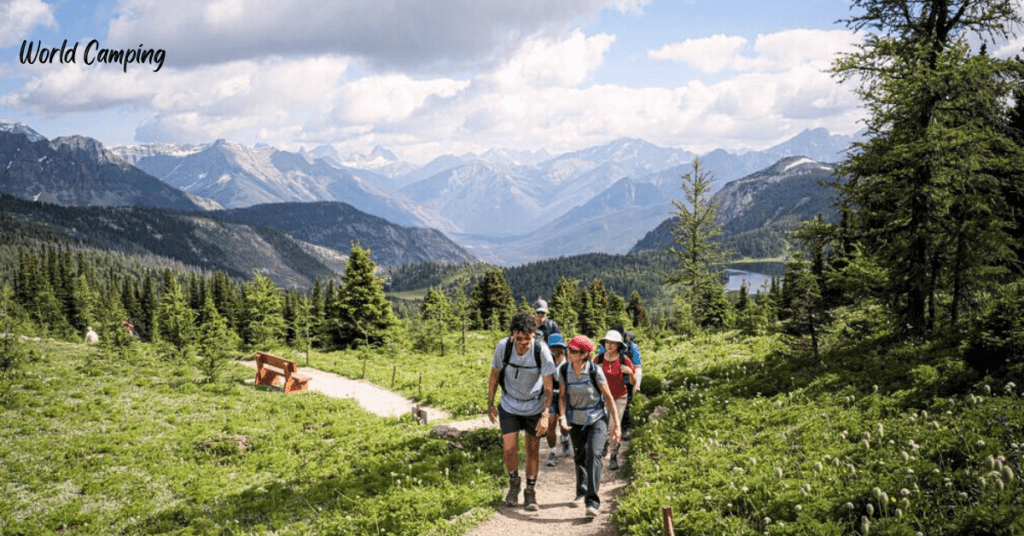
(613, 371)
(583, 404)
(524, 384)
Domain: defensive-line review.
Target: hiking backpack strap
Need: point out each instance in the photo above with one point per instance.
(509, 345)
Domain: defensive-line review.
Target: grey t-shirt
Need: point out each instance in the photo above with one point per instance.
(524, 384)
(584, 405)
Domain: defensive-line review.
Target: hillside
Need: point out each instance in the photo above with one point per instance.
(336, 225)
(759, 210)
(193, 239)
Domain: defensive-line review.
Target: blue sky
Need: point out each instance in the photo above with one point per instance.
(424, 78)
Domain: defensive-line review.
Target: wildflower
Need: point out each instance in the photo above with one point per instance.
(988, 389)
(881, 431)
(877, 492)
(744, 489)
(910, 471)
(884, 499)
(767, 520)
(999, 484)
(707, 497)
(924, 413)
(905, 502)
(866, 443)
(904, 492)
(778, 473)
(981, 443)
(865, 525)
(870, 509)
(799, 508)
(1010, 386)
(981, 481)
(849, 506)
(899, 513)
(906, 457)
(875, 388)
(964, 494)
(1008, 473)
(817, 467)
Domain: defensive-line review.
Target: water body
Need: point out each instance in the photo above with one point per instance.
(755, 282)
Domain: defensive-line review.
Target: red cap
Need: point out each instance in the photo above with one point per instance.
(582, 343)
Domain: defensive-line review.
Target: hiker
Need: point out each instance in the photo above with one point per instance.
(619, 371)
(523, 367)
(630, 349)
(545, 325)
(583, 411)
(558, 350)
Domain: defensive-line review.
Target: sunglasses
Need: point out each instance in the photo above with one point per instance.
(575, 351)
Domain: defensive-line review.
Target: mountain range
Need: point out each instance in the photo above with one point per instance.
(502, 206)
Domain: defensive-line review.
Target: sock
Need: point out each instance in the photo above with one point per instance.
(552, 449)
(531, 481)
(513, 474)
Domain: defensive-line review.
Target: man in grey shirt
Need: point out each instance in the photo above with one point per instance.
(523, 367)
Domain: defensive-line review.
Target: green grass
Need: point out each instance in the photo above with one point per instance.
(758, 439)
(91, 445)
(456, 382)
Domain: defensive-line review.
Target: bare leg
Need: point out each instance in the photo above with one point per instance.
(510, 445)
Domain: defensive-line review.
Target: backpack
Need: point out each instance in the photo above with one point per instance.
(563, 373)
(509, 345)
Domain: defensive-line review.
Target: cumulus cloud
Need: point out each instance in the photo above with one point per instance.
(20, 17)
(544, 62)
(709, 54)
(387, 34)
(770, 52)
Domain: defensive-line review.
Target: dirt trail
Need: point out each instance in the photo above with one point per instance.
(555, 485)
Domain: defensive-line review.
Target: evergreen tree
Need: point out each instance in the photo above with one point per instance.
(316, 314)
(146, 326)
(562, 306)
(461, 308)
(85, 305)
(174, 317)
(436, 313)
(301, 327)
(636, 311)
(928, 180)
(492, 296)
(702, 260)
(364, 313)
(216, 341)
(263, 322)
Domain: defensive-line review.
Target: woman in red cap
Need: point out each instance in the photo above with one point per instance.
(584, 412)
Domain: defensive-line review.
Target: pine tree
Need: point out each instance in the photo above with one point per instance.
(216, 341)
(929, 179)
(562, 306)
(695, 230)
(436, 313)
(174, 317)
(263, 322)
(636, 311)
(492, 296)
(364, 312)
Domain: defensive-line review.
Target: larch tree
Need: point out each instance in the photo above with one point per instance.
(926, 184)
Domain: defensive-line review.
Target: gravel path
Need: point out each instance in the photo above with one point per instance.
(555, 485)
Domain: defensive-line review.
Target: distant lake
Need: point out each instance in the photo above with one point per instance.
(755, 281)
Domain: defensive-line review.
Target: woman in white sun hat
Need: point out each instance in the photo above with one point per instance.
(616, 370)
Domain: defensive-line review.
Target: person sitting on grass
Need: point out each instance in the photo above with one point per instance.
(584, 409)
(524, 368)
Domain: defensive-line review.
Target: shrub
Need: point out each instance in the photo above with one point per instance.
(997, 339)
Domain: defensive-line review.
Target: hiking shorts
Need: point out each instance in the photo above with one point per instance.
(511, 424)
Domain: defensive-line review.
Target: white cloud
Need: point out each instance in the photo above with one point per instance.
(20, 17)
(387, 34)
(567, 62)
(771, 52)
(709, 54)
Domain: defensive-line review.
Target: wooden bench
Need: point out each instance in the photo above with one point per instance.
(270, 367)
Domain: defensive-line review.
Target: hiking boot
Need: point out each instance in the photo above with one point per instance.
(565, 447)
(591, 511)
(530, 499)
(514, 485)
(614, 464)
(578, 501)
(552, 459)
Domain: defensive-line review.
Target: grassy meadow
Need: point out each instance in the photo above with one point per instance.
(738, 435)
(94, 444)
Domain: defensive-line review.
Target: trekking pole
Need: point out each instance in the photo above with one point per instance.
(666, 514)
